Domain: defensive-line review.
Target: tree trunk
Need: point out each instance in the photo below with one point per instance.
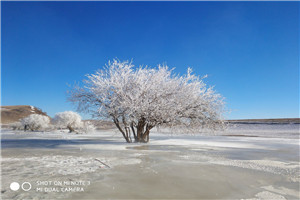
(140, 135)
(146, 136)
(116, 121)
(140, 130)
(146, 133)
(143, 132)
(70, 129)
(133, 132)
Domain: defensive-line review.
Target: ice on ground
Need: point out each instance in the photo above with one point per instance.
(216, 167)
(263, 130)
(290, 169)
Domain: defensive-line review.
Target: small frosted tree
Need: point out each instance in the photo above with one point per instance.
(35, 122)
(138, 99)
(87, 127)
(67, 119)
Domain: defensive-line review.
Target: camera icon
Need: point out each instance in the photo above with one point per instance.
(15, 186)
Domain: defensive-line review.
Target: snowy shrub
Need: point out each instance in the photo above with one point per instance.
(16, 126)
(87, 127)
(50, 127)
(67, 119)
(139, 99)
(35, 122)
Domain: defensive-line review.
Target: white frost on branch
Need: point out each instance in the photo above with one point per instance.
(142, 98)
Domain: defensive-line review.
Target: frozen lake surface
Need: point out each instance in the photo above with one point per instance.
(247, 161)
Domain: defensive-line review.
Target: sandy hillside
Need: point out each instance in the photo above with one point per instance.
(11, 114)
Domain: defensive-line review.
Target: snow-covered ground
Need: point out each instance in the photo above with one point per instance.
(247, 161)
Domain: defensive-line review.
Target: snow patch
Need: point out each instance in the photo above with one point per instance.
(97, 146)
(32, 109)
(282, 191)
(206, 143)
(72, 165)
(63, 165)
(275, 167)
(291, 169)
(267, 195)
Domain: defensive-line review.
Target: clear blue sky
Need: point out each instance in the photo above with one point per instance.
(249, 50)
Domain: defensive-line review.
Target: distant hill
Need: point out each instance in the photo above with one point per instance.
(11, 114)
(266, 121)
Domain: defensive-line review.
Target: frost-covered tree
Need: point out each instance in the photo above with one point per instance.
(67, 119)
(35, 122)
(138, 99)
(17, 126)
(87, 127)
